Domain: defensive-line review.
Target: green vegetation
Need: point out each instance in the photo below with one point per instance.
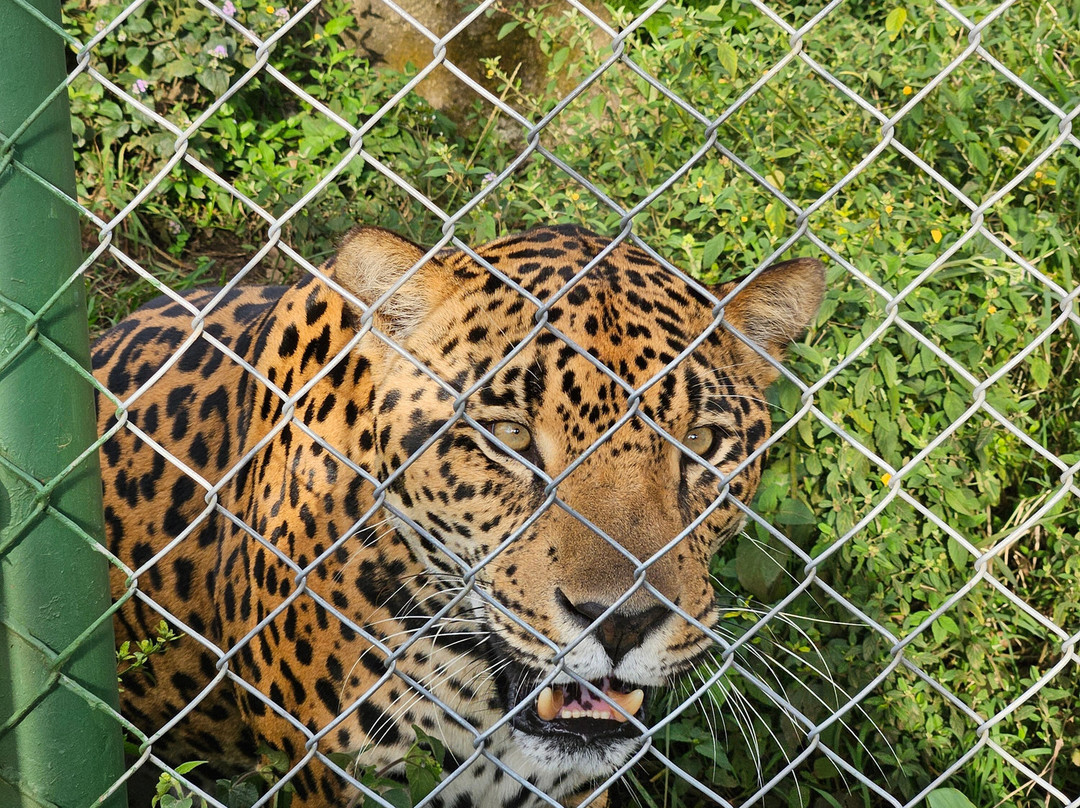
(130, 659)
(922, 534)
(422, 766)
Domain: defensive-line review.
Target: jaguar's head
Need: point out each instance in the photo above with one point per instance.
(574, 445)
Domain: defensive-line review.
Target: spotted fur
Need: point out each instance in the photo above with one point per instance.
(352, 533)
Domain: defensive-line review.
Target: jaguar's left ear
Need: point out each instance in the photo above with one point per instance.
(777, 306)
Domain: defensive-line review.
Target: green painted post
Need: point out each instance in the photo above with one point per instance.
(60, 742)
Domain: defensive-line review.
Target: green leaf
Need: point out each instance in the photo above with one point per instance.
(342, 760)
(887, 363)
(438, 751)
(337, 25)
(921, 260)
(1040, 371)
(169, 801)
(712, 750)
(184, 768)
(886, 435)
(110, 109)
(775, 217)
(960, 500)
(756, 569)
(947, 798)
(953, 405)
(422, 781)
(894, 23)
(216, 81)
(398, 797)
(241, 794)
(642, 792)
(958, 554)
(178, 69)
(559, 59)
(135, 55)
(978, 157)
(794, 512)
(507, 28)
(864, 387)
(712, 251)
(829, 798)
(948, 624)
(275, 758)
(729, 58)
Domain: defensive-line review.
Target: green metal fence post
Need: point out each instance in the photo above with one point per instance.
(60, 744)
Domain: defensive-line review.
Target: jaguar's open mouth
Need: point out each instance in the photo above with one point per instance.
(574, 713)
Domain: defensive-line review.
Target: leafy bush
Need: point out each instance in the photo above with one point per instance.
(903, 352)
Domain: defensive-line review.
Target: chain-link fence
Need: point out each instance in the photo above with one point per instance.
(899, 616)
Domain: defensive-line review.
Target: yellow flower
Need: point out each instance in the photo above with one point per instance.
(935, 234)
(701, 182)
(888, 208)
(574, 196)
(745, 218)
(317, 37)
(270, 9)
(991, 309)
(907, 90)
(886, 478)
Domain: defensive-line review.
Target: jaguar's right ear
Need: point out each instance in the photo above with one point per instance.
(371, 260)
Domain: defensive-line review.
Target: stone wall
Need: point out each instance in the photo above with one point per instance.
(388, 39)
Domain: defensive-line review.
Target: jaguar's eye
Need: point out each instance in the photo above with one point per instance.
(700, 440)
(513, 435)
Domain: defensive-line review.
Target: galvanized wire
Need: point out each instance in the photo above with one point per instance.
(812, 732)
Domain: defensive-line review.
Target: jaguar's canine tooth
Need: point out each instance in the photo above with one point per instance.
(550, 702)
(630, 702)
(545, 705)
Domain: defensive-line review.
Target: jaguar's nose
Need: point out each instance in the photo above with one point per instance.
(621, 631)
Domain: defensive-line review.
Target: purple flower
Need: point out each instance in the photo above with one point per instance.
(489, 178)
(220, 51)
(141, 86)
(282, 14)
(229, 10)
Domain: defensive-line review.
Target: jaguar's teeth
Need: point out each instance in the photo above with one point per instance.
(630, 702)
(545, 706)
(549, 702)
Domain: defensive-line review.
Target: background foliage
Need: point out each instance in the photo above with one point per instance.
(894, 395)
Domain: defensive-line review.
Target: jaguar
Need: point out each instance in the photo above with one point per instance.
(468, 492)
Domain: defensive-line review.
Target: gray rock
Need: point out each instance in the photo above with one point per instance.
(387, 38)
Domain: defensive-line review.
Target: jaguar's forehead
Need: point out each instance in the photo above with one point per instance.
(615, 304)
(545, 261)
(579, 353)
